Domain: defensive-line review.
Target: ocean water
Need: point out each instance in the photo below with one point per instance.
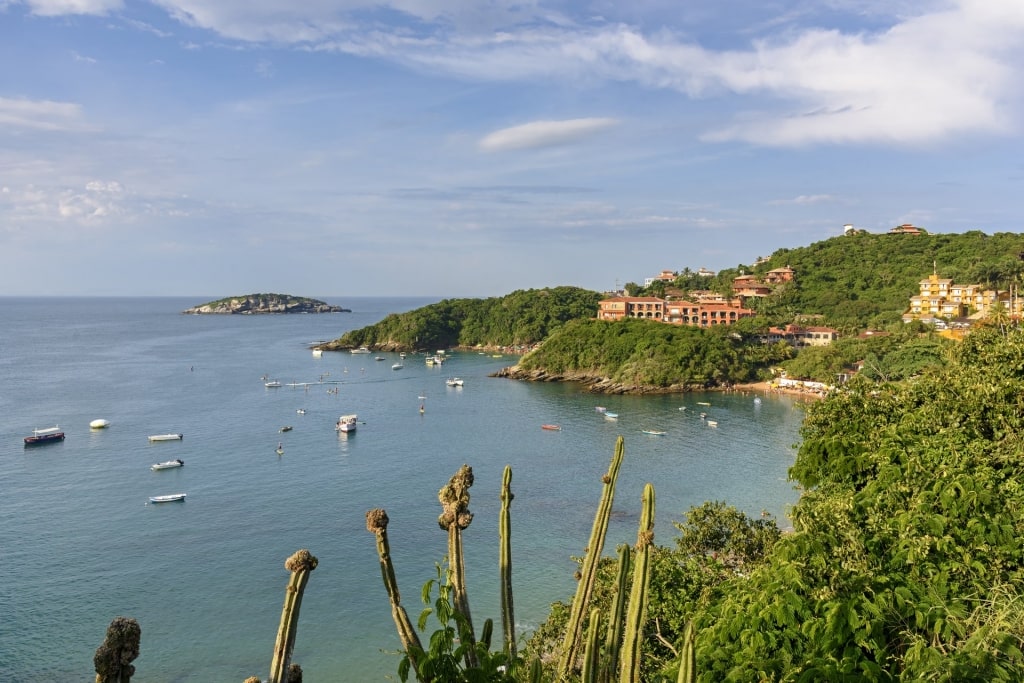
(80, 544)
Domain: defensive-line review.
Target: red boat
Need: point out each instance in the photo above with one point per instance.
(554, 428)
(41, 436)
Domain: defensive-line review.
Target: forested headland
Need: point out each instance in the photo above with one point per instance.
(515, 321)
(851, 283)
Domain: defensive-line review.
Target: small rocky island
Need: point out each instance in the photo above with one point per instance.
(255, 304)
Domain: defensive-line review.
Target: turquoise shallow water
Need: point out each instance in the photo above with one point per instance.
(79, 544)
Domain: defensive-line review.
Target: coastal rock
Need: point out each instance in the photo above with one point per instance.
(254, 304)
(595, 384)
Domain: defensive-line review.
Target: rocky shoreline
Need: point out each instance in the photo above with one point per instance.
(602, 385)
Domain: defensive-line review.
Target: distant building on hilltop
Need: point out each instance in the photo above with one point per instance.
(665, 276)
(906, 229)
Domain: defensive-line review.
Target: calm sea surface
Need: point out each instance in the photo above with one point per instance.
(79, 545)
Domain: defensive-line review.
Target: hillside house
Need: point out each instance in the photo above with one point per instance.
(779, 275)
(906, 229)
(800, 337)
(666, 276)
(942, 298)
(697, 314)
(617, 308)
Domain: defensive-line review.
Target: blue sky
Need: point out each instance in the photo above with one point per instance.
(468, 148)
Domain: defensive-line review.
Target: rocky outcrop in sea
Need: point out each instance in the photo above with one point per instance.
(255, 304)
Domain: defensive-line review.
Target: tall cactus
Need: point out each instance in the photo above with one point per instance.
(377, 524)
(592, 651)
(300, 565)
(113, 659)
(613, 637)
(688, 660)
(455, 516)
(639, 594)
(508, 619)
(588, 574)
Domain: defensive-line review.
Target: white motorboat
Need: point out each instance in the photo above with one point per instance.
(361, 349)
(272, 384)
(346, 423)
(397, 366)
(168, 464)
(454, 382)
(99, 424)
(166, 437)
(170, 498)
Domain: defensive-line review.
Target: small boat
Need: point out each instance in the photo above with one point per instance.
(280, 448)
(454, 382)
(422, 409)
(712, 423)
(553, 428)
(703, 403)
(361, 349)
(653, 432)
(402, 354)
(346, 423)
(171, 498)
(757, 400)
(99, 424)
(301, 411)
(317, 353)
(272, 384)
(47, 435)
(168, 464)
(600, 409)
(682, 407)
(397, 366)
(611, 416)
(166, 437)
(286, 428)
(379, 358)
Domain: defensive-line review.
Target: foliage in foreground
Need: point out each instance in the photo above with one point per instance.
(905, 562)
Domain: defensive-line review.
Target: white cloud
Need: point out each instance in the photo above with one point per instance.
(41, 114)
(544, 134)
(55, 8)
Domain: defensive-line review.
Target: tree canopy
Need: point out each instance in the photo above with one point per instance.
(521, 319)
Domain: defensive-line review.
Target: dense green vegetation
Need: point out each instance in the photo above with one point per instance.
(900, 353)
(636, 352)
(905, 560)
(521, 318)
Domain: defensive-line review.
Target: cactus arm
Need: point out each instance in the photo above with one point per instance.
(508, 619)
(301, 564)
(113, 659)
(591, 651)
(377, 524)
(585, 587)
(639, 594)
(688, 660)
(613, 637)
(455, 517)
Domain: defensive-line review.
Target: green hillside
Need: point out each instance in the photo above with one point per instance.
(866, 280)
(519, 319)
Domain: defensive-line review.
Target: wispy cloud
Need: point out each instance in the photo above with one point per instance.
(41, 114)
(544, 134)
(805, 199)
